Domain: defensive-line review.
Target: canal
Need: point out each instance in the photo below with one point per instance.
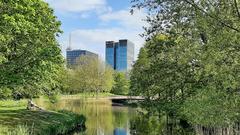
(105, 119)
(102, 117)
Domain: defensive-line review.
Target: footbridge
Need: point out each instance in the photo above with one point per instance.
(122, 99)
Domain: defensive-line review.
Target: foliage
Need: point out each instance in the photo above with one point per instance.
(165, 74)
(190, 18)
(194, 67)
(89, 75)
(30, 57)
(121, 86)
(5, 93)
(137, 80)
(212, 108)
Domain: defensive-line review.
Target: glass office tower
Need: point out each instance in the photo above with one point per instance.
(120, 55)
(72, 56)
(110, 53)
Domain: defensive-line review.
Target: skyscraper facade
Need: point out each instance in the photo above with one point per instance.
(72, 56)
(120, 55)
(110, 53)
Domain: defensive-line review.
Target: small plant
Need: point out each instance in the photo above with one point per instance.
(21, 130)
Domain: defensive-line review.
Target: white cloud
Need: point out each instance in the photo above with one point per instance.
(78, 5)
(84, 15)
(119, 24)
(94, 39)
(126, 19)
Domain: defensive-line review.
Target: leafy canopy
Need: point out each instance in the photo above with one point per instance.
(30, 58)
(196, 69)
(121, 85)
(89, 75)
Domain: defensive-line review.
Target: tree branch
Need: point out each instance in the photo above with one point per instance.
(236, 6)
(212, 16)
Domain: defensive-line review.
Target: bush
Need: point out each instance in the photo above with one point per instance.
(5, 93)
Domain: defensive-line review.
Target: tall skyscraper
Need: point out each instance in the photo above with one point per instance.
(110, 53)
(72, 56)
(120, 55)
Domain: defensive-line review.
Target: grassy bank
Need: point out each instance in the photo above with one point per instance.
(91, 95)
(16, 120)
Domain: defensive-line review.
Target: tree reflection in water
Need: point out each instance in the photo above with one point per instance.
(103, 118)
(155, 125)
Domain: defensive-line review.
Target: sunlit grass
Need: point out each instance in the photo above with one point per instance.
(19, 130)
(14, 117)
(7, 104)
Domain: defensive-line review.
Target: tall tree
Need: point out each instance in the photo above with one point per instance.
(138, 75)
(203, 59)
(121, 85)
(89, 75)
(162, 74)
(30, 58)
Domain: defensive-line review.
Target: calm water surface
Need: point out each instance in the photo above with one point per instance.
(105, 119)
(102, 117)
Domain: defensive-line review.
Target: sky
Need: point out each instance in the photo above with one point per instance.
(92, 22)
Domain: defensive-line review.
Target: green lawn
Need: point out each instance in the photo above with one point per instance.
(13, 115)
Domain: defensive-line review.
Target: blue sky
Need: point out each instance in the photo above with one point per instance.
(92, 22)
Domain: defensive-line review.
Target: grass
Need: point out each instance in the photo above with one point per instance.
(92, 95)
(11, 104)
(19, 130)
(15, 118)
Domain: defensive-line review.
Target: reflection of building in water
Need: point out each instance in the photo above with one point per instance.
(119, 131)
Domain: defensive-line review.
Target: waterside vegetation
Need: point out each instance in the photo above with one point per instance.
(189, 66)
(15, 119)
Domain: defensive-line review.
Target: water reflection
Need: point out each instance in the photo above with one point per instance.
(119, 131)
(102, 117)
(105, 119)
(158, 125)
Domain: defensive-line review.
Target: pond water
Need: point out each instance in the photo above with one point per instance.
(105, 119)
(102, 117)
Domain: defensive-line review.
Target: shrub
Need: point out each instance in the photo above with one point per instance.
(5, 93)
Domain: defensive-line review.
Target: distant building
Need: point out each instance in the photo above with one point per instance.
(120, 55)
(110, 54)
(72, 56)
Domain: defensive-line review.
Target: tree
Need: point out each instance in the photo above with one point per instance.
(162, 74)
(138, 75)
(30, 57)
(190, 18)
(89, 75)
(121, 86)
(200, 59)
